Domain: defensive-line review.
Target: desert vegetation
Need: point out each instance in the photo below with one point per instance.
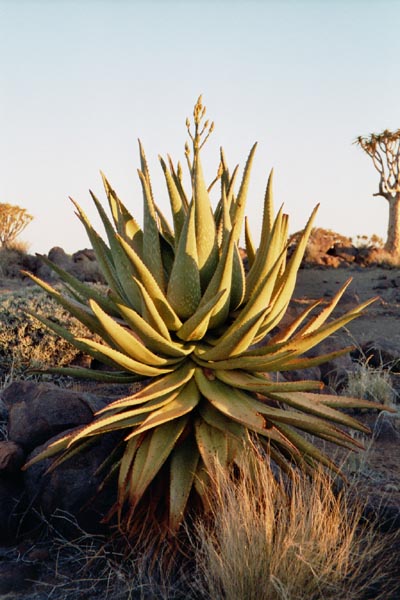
(24, 343)
(13, 220)
(227, 485)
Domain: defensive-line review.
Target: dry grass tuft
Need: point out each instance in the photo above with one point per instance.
(371, 383)
(263, 544)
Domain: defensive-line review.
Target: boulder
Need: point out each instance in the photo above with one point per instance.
(3, 412)
(385, 429)
(12, 457)
(10, 497)
(380, 353)
(335, 373)
(385, 517)
(85, 266)
(38, 411)
(333, 262)
(73, 486)
(345, 251)
(59, 257)
(312, 373)
(85, 255)
(17, 578)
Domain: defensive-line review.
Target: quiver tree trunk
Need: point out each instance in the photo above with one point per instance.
(393, 238)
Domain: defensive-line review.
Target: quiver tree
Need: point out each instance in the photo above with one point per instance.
(13, 219)
(384, 149)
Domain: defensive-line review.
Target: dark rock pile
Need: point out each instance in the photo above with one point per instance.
(82, 264)
(327, 248)
(38, 414)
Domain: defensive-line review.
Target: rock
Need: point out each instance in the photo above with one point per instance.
(385, 517)
(87, 270)
(323, 240)
(384, 429)
(87, 254)
(10, 497)
(86, 267)
(335, 373)
(16, 577)
(372, 256)
(12, 456)
(59, 257)
(38, 411)
(380, 353)
(346, 252)
(330, 261)
(72, 487)
(82, 264)
(312, 373)
(43, 271)
(383, 285)
(3, 412)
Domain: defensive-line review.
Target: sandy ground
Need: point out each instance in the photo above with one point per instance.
(380, 320)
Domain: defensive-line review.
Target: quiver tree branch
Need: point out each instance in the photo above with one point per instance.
(384, 149)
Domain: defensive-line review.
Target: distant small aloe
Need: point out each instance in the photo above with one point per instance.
(182, 312)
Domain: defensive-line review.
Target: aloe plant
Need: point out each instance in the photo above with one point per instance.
(182, 315)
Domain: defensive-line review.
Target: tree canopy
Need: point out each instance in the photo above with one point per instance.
(13, 220)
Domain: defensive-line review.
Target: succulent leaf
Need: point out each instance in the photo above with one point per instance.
(124, 222)
(183, 466)
(212, 444)
(184, 291)
(151, 253)
(163, 306)
(206, 235)
(177, 206)
(185, 402)
(151, 455)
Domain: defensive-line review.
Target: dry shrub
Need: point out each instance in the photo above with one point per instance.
(386, 259)
(24, 341)
(269, 540)
(370, 383)
(368, 241)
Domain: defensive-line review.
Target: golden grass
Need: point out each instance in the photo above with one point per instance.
(291, 540)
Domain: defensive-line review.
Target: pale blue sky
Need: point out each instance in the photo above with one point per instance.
(81, 80)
